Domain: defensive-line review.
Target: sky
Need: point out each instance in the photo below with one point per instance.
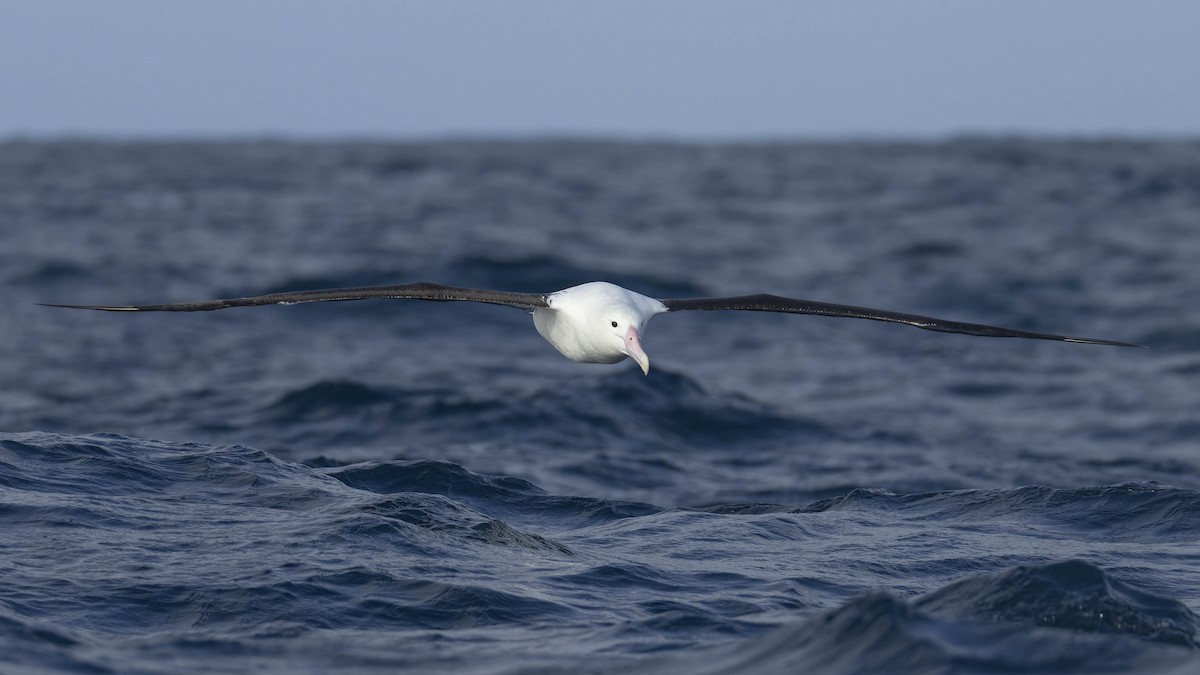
(680, 69)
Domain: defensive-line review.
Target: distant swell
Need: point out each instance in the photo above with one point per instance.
(1127, 511)
(530, 274)
(328, 398)
(663, 411)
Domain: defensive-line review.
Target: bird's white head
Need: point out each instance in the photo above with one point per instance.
(598, 322)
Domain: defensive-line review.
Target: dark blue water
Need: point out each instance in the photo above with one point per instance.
(382, 486)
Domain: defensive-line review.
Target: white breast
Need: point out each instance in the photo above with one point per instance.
(570, 336)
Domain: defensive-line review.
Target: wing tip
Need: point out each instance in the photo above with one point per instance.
(100, 308)
(1097, 341)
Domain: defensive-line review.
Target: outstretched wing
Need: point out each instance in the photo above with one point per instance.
(774, 303)
(418, 291)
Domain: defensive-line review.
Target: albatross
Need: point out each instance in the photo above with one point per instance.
(598, 322)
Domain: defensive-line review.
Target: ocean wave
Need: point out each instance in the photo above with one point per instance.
(1126, 511)
(1073, 595)
(513, 497)
(230, 545)
(1064, 617)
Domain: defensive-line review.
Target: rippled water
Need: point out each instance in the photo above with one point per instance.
(374, 486)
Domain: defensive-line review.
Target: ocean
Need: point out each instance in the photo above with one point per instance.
(405, 486)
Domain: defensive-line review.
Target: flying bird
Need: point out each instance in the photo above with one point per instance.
(598, 322)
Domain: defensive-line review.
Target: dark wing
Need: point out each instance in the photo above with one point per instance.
(774, 303)
(417, 291)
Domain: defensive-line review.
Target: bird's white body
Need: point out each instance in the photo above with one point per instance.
(580, 320)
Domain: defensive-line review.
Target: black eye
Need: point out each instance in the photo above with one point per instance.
(614, 324)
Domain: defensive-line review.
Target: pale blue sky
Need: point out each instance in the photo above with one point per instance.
(685, 69)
